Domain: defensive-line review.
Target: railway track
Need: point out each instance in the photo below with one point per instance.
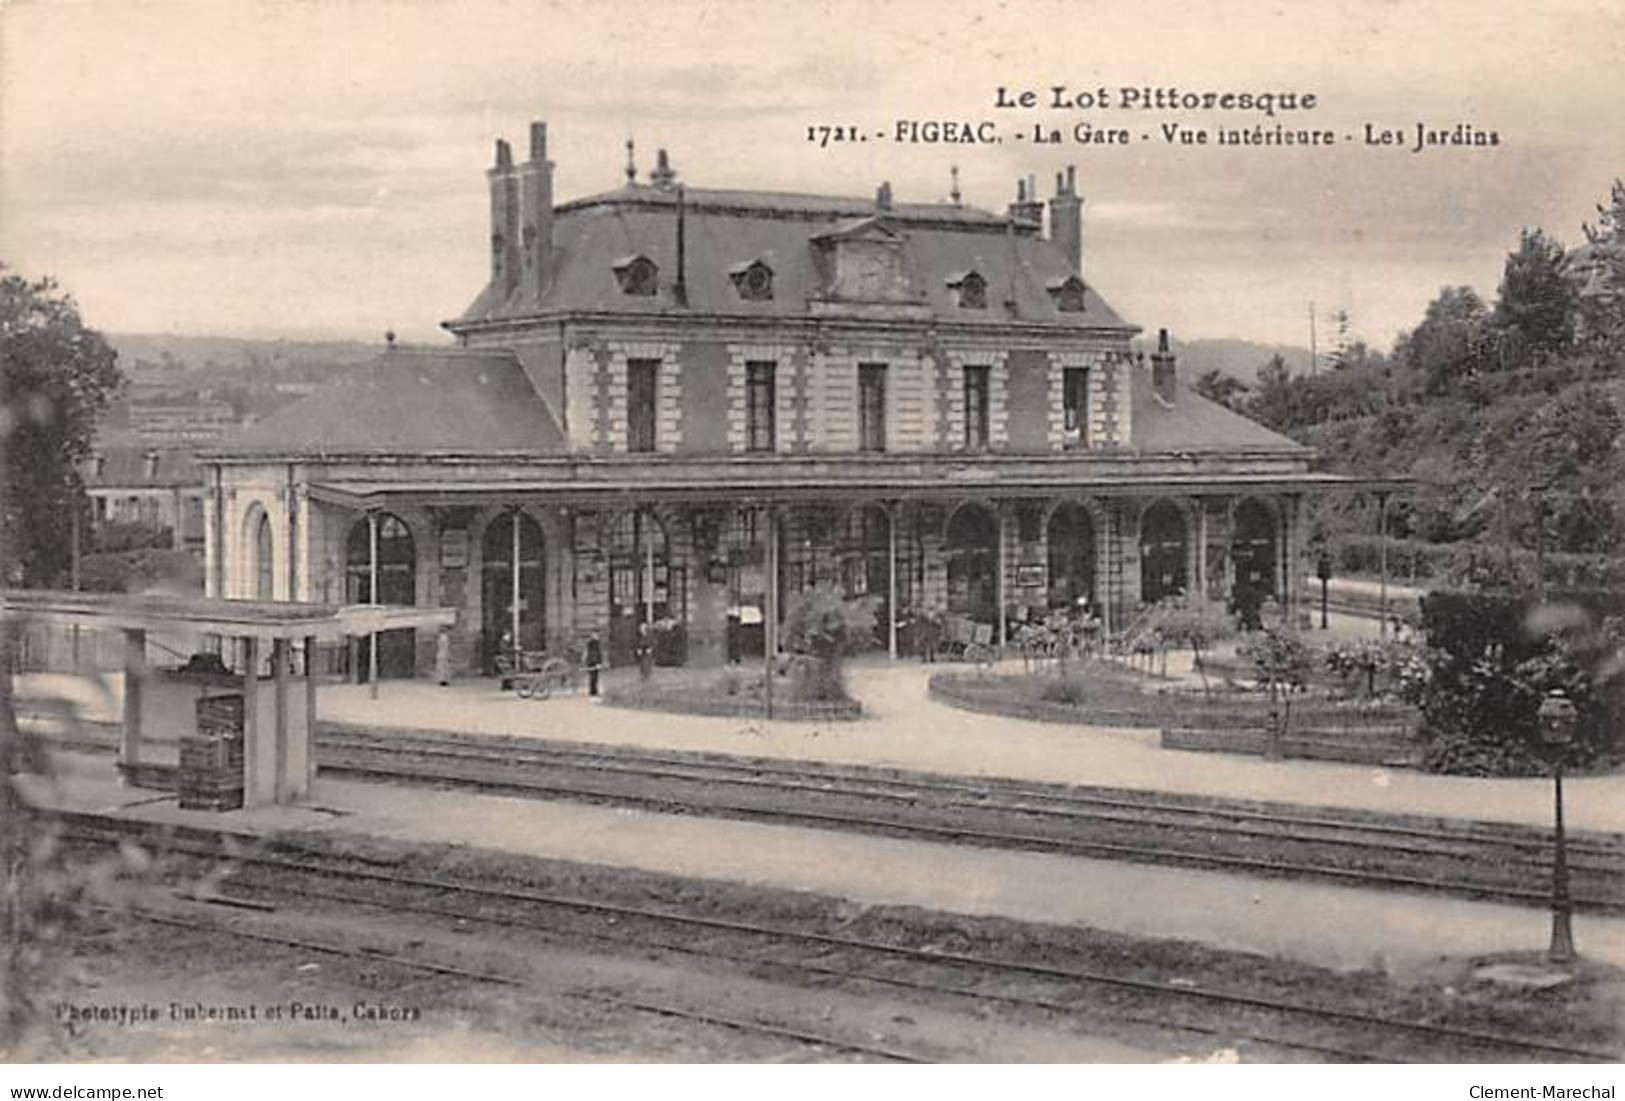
(1476, 860)
(417, 963)
(816, 956)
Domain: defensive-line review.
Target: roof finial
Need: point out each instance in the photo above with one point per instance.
(631, 163)
(954, 194)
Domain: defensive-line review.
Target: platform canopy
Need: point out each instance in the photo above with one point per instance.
(778, 486)
(231, 618)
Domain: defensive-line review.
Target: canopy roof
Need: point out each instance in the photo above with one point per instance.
(369, 493)
(233, 618)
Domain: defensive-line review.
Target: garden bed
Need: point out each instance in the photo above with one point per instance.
(1377, 746)
(732, 697)
(1105, 696)
(1017, 698)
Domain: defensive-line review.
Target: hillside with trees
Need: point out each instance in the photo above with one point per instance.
(1509, 415)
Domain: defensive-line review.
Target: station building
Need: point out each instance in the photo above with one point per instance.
(925, 403)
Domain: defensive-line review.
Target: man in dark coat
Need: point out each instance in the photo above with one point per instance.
(593, 658)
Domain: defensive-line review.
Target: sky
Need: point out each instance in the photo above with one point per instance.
(316, 168)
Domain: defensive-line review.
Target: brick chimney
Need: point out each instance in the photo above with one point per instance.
(536, 213)
(1066, 218)
(1028, 209)
(664, 175)
(1163, 374)
(883, 196)
(504, 221)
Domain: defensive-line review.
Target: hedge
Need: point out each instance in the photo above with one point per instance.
(1415, 558)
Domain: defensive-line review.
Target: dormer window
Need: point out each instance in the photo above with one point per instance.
(971, 289)
(1067, 294)
(753, 281)
(637, 275)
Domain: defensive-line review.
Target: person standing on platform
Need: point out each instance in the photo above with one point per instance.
(442, 658)
(592, 656)
(644, 651)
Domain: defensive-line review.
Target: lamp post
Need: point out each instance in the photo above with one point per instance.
(1557, 720)
(1323, 570)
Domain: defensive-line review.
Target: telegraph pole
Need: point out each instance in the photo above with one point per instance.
(1314, 348)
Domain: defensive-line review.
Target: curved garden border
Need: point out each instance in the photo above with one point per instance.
(986, 695)
(1382, 734)
(678, 701)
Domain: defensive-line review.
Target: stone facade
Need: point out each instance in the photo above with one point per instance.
(871, 322)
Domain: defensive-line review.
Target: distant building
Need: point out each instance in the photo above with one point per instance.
(931, 404)
(133, 482)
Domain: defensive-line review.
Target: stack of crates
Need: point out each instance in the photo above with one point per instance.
(211, 775)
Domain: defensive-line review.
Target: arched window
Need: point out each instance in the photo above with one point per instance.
(264, 562)
(1071, 539)
(1252, 556)
(397, 584)
(864, 551)
(1163, 549)
(397, 562)
(497, 557)
(973, 562)
(644, 587)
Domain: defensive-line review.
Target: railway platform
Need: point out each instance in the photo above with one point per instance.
(1399, 932)
(904, 728)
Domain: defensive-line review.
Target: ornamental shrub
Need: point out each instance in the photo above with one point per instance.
(825, 626)
(1492, 657)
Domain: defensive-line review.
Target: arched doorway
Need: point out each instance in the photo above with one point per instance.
(972, 547)
(397, 584)
(744, 542)
(1252, 554)
(497, 590)
(864, 550)
(1163, 552)
(644, 587)
(264, 560)
(1071, 538)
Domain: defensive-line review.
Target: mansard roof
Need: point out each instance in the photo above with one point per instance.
(412, 401)
(724, 229)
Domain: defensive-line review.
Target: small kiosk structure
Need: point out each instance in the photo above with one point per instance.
(235, 733)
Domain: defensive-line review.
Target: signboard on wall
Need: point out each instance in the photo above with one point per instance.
(453, 548)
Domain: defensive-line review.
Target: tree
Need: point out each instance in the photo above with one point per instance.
(1448, 345)
(1610, 217)
(1537, 300)
(822, 623)
(56, 378)
(1601, 271)
(1225, 389)
(1342, 341)
(1272, 402)
(1197, 624)
(1282, 662)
